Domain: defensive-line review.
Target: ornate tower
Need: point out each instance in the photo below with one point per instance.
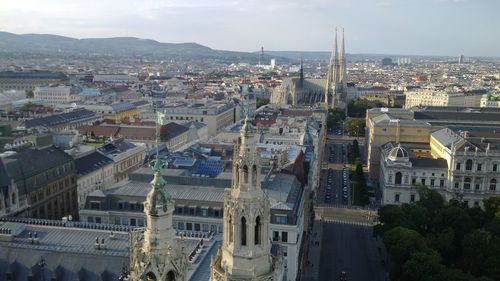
(158, 255)
(343, 65)
(245, 253)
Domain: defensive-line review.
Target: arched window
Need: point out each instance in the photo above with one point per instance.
(399, 177)
(230, 226)
(493, 184)
(254, 175)
(245, 174)
(243, 231)
(467, 182)
(150, 276)
(237, 175)
(468, 165)
(170, 276)
(257, 231)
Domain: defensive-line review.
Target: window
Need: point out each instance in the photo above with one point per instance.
(179, 210)
(478, 186)
(118, 221)
(284, 236)
(467, 183)
(413, 180)
(493, 184)
(204, 227)
(441, 183)
(189, 226)
(257, 231)
(140, 222)
(468, 165)
(197, 227)
(396, 197)
(245, 174)
(412, 198)
(90, 219)
(280, 219)
(457, 185)
(479, 166)
(95, 205)
(398, 177)
(133, 222)
(254, 175)
(422, 181)
(276, 236)
(432, 182)
(406, 179)
(458, 166)
(495, 166)
(243, 231)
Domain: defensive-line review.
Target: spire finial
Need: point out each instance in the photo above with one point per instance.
(158, 164)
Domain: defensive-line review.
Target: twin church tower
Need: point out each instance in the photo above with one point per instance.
(336, 79)
(245, 253)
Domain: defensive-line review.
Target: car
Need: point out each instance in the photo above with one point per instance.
(343, 276)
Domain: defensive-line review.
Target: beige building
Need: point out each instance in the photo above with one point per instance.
(447, 97)
(127, 157)
(94, 172)
(389, 124)
(217, 115)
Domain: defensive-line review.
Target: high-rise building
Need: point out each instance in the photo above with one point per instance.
(246, 253)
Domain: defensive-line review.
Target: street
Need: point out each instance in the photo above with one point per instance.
(341, 239)
(350, 247)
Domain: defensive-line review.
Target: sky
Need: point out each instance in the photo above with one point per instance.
(415, 27)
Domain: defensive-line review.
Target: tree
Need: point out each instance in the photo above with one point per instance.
(357, 108)
(422, 266)
(492, 207)
(360, 196)
(481, 254)
(261, 102)
(430, 199)
(355, 127)
(401, 242)
(334, 117)
(30, 94)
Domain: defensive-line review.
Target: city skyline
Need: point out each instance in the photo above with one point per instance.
(372, 27)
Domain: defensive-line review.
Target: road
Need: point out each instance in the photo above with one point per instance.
(350, 247)
(341, 238)
(334, 185)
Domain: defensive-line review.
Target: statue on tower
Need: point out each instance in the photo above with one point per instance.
(158, 254)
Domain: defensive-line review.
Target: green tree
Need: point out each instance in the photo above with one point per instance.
(401, 242)
(355, 127)
(430, 199)
(422, 266)
(492, 207)
(334, 117)
(261, 102)
(30, 94)
(357, 108)
(481, 254)
(360, 196)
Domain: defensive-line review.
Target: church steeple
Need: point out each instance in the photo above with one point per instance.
(343, 68)
(159, 255)
(301, 69)
(245, 253)
(336, 76)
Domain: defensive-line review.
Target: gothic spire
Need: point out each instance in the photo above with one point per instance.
(301, 69)
(343, 68)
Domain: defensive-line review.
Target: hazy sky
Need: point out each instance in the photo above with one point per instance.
(427, 27)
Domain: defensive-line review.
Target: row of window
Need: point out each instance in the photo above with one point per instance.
(469, 166)
(467, 184)
(196, 227)
(197, 211)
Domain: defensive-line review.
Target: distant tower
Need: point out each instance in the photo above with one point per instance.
(245, 253)
(158, 255)
(336, 80)
(461, 59)
(261, 59)
(301, 69)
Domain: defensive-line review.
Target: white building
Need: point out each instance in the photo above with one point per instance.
(458, 165)
(54, 95)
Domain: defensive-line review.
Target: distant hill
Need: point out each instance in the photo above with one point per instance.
(117, 46)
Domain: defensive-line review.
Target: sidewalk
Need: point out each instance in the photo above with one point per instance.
(311, 271)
